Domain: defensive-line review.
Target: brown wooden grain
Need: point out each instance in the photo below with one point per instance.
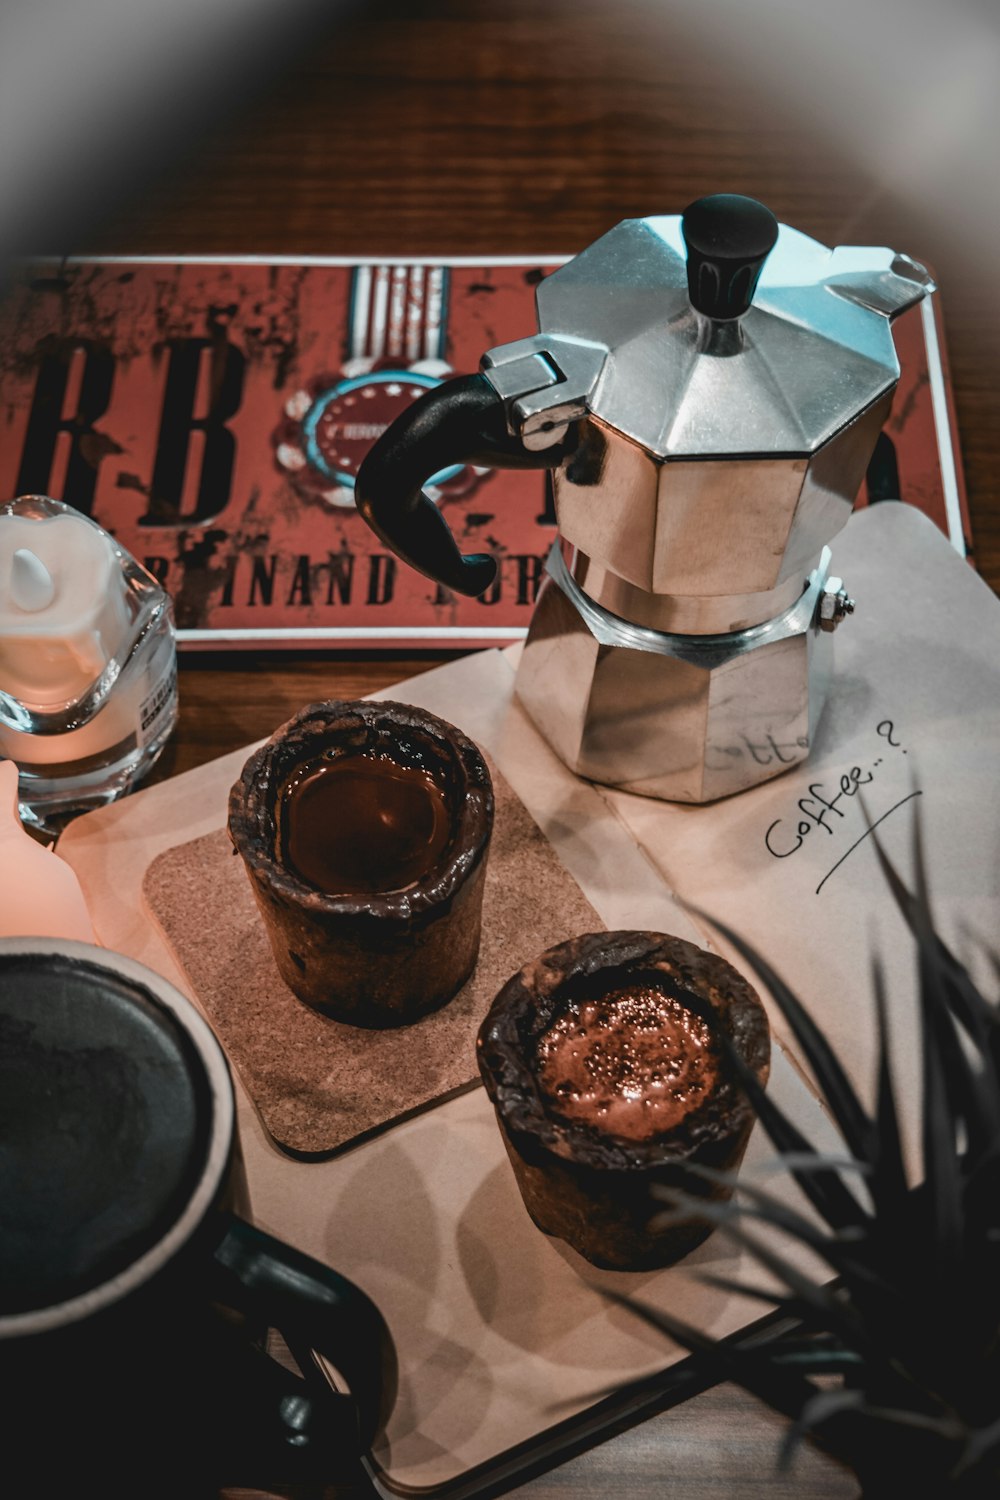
(457, 126)
(229, 701)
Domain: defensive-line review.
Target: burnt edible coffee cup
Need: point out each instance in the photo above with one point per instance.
(135, 1300)
(364, 827)
(611, 1084)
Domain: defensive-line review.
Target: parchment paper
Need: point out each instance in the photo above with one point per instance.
(910, 732)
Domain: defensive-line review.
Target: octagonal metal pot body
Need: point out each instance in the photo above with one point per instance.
(681, 719)
(713, 539)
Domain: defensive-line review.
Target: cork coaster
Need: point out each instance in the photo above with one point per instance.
(320, 1085)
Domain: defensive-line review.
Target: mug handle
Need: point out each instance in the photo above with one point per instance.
(314, 1308)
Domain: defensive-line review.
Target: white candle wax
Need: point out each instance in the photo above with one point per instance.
(63, 617)
(87, 659)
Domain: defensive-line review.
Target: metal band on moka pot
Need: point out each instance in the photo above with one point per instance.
(707, 390)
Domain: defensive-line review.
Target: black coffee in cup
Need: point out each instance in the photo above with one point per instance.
(133, 1298)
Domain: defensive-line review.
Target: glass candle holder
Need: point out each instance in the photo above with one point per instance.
(88, 665)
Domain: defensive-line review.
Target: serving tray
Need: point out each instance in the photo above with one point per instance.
(507, 1346)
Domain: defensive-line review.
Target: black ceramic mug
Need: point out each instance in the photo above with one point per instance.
(135, 1301)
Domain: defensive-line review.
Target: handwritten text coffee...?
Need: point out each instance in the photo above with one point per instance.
(834, 808)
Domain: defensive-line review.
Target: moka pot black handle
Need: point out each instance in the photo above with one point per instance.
(461, 421)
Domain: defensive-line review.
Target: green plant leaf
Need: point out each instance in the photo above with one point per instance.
(824, 1189)
(957, 993)
(847, 1109)
(831, 1310)
(783, 1390)
(889, 1185)
(909, 1322)
(818, 1409)
(942, 1179)
(835, 1249)
(981, 1448)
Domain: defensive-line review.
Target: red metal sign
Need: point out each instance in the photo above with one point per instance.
(212, 416)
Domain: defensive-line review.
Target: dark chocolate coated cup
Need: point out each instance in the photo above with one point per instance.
(383, 958)
(135, 1295)
(579, 1183)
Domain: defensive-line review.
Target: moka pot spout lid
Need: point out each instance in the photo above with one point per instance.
(719, 331)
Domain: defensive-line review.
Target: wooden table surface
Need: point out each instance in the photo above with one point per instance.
(454, 126)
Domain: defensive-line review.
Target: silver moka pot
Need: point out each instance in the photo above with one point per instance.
(707, 390)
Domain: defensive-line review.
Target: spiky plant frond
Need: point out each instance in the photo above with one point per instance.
(895, 1362)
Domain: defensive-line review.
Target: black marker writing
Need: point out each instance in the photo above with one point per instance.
(887, 729)
(825, 807)
(901, 803)
(817, 810)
